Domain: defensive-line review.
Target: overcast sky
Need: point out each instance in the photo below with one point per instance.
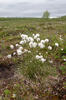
(32, 8)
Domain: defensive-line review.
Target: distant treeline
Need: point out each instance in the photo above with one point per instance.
(64, 17)
(28, 18)
(15, 18)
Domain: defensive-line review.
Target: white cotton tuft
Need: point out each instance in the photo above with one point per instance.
(22, 42)
(38, 57)
(61, 49)
(29, 51)
(46, 40)
(41, 45)
(30, 39)
(50, 61)
(32, 44)
(36, 36)
(9, 56)
(14, 96)
(43, 60)
(43, 41)
(21, 48)
(19, 52)
(12, 46)
(25, 50)
(38, 39)
(17, 45)
(64, 59)
(49, 47)
(14, 53)
(56, 44)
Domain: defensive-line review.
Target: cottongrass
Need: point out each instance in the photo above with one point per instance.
(41, 45)
(33, 42)
(56, 44)
(40, 57)
(9, 56)
(64, 59)
(49, 47)
(13, 95)
(50, 61)
(12, 46)
(19, 52)
(61, 49)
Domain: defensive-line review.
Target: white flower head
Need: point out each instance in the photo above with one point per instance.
(19, 52)
(12, 46)
(43, 41)
(39, 56)
(38, 39)
(61, 49)
(29, 51)
(61, 39)
(9, 56)
(30, 39)
(20, 48)
(25, 41)
(60, 35)
(17, 45)
(14, 53)
(41, 45)
(36, 36)
(24, 36)
(46, 40)
(33, 34)
(22, 42)
(56, 44)
(43, 60)
(50, 61)
(39, 53)
(32, 44)
(25, 50)
(46, 52)
(64, 59)
(14, 96)
(49, 47)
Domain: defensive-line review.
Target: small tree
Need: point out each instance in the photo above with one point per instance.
(46, 14)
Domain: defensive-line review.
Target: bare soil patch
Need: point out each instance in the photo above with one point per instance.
(6, 68)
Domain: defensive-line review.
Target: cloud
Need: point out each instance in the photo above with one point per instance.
(32, 8)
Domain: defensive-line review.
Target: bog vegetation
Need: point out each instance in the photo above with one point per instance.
(32, 59)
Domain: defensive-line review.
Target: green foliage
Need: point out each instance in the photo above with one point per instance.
(63, 68)
(7, 92)
(46, 15)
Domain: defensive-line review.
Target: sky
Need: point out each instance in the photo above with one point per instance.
(32, 8)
